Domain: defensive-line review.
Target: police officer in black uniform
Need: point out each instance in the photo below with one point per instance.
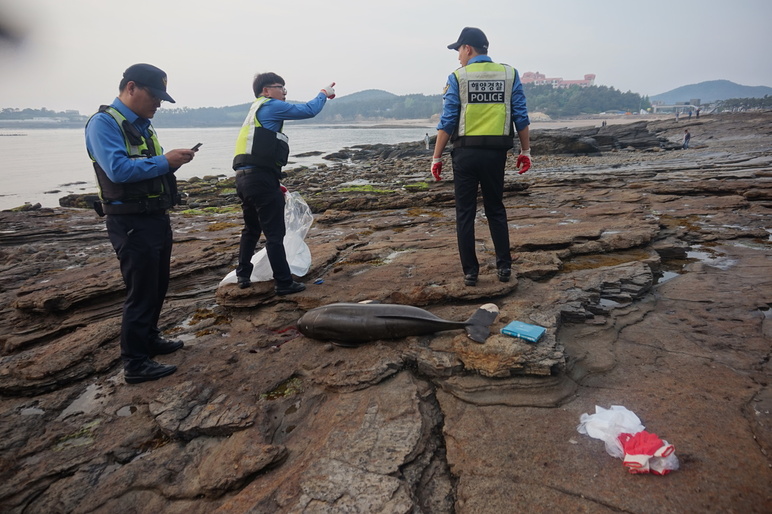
(261, 151)
(137, 187)
(483, 107)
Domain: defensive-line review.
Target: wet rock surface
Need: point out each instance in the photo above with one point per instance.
(649, 267)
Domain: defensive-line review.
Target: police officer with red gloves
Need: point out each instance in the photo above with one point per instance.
(483, 106)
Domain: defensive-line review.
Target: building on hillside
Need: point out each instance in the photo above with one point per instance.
(539, 79)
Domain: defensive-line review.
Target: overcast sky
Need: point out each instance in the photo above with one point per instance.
(74, 52)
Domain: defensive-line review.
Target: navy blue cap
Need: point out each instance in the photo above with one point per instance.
(147, 75)
(471, 36)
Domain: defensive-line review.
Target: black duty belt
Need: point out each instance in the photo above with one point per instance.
(247, 171)
(127, 208)
(493, 142)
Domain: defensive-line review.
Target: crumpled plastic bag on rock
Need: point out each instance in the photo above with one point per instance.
(607, 424)
(298, 220)
(625, 438)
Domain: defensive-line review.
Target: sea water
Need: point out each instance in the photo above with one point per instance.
(43, 165)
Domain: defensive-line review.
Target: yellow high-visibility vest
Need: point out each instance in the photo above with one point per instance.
(485, 93)
(151, 194)
(259, 146)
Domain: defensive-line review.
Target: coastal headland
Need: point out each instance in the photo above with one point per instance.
(650, 267)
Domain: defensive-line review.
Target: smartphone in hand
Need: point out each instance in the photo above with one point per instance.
(195, 148)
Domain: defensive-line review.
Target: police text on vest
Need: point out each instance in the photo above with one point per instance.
(486, 91)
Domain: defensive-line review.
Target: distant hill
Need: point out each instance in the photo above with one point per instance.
(368, 95)
(374, 104)
(711, 91)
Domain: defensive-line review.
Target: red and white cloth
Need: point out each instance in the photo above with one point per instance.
(647, 453)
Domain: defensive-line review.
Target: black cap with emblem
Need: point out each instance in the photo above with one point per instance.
(471, 36)
(149, 76)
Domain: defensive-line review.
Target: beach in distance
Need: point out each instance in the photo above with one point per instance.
(32, 176)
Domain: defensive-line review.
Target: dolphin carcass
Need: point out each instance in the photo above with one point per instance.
(352, 324)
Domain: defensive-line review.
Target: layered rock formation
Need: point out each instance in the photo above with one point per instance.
(649, 267)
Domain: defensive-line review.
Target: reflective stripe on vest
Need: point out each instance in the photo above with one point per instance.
(485, 93)
(135, 151)
(246, 140)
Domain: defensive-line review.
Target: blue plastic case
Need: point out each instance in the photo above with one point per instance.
(525, 331)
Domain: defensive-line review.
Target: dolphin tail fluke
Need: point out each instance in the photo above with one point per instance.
(479, 325)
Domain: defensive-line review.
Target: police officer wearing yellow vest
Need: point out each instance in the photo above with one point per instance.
(137, 187)
(483, 107)
(261, 151)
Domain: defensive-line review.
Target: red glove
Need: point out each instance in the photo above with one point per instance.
(283, 189)
(523, 161)
(437, 168)
(639, 448)
(664, 460)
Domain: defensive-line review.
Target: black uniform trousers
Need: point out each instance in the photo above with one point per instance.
(484, 168)
(262, 205)
(143, 244)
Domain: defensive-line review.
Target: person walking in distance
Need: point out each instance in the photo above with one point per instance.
(261, 151)
(137, 187)
(483, 107)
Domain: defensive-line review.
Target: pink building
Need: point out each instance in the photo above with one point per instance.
(539, 79)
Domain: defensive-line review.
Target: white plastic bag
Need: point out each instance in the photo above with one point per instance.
(298, 220)
(607, 424)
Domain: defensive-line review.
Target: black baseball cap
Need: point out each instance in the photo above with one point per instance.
(471, 36)
(147, 75)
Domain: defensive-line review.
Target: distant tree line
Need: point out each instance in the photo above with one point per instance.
(377, 105)
(575, 100)
(28, 114)
(373, 105)
(745, 104)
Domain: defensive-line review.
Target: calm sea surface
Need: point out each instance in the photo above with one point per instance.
(42, 165)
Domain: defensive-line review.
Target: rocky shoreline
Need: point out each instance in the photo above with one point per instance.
(648, 265)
